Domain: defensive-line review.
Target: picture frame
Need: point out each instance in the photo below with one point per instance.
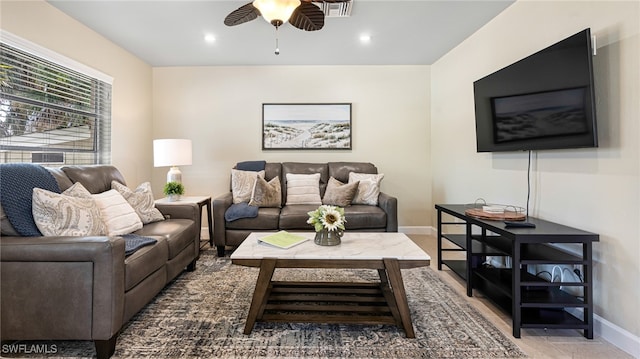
(306, 126)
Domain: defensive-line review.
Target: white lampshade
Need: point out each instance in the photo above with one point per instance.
(276, 12)
(174, 153)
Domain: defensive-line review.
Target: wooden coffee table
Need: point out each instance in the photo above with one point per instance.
(333, 302)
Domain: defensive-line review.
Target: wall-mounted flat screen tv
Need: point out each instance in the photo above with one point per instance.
(544, 101)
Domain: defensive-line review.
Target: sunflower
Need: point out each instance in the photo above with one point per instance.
(329, 217)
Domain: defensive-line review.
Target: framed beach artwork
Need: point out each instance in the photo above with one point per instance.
(306, 126)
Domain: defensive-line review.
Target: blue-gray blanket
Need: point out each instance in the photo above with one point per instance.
(17, 181)
(133, 242)
(240, 210)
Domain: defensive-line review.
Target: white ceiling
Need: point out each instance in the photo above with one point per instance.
(171, 33)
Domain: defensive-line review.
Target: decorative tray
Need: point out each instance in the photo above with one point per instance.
(509, 212)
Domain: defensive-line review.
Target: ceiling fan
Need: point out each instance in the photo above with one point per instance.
(300, 13)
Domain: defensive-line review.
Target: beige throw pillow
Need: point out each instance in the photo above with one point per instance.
(368, 189)
(242, 183)
(71, 213)
(266, 194)
(339, 194)
(118, 215)
(303, 189)
(142, 201)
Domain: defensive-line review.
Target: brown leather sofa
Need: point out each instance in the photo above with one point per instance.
(84, 288)
(361, 218)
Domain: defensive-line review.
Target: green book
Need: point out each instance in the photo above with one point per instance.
(283, 239)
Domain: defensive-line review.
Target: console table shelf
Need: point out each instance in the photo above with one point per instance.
(532, 301)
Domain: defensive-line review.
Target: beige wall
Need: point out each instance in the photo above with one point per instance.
(592, 189)
(41, 23)
(416, 123)
(220, 109)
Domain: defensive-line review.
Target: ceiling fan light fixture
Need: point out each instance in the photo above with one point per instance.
(276, 12)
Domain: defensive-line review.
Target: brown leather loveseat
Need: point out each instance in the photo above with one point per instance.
(381, 217)
(85, 288)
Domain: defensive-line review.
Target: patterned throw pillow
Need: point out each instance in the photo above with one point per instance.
(266, 194)
(242, 183)
(303, 189)
(339, 194)
(142, 201)
(368, 189)
(118, 215)
(71, 213)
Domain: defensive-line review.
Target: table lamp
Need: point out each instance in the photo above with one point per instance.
(174, 153)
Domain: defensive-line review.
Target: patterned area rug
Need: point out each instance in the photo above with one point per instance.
(202, 315)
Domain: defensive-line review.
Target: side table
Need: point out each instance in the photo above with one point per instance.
(201, 201)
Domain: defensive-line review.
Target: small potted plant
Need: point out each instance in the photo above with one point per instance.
(173, 190)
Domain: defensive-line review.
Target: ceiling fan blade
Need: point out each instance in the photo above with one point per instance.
(326, 0)
(307, 17)
(241, 15)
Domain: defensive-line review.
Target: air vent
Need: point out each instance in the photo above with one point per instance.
(337, 9)
(47, 157)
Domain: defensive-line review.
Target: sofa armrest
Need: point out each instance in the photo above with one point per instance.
(61, 287)
(389, 205)
(220, 206)
(185, 210)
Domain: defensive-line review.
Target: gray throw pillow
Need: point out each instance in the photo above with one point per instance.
(339, 194)
(266, 194)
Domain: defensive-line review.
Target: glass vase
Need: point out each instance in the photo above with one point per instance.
(326, 237)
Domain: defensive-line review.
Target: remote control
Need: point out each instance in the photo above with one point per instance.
(514, 224)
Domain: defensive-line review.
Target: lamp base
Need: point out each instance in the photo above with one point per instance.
(174, 175)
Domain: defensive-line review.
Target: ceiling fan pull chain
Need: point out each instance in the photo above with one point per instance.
(277, 52)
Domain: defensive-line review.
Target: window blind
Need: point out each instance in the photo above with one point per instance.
(50, 113)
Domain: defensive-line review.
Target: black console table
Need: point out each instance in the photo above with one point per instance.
(532, 301)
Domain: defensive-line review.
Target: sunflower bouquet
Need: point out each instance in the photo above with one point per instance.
(327, 217)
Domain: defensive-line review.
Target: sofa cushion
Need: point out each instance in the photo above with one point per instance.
(142, 201)
(341, 170)
(95, 178)
(6, 229)
(267, 219)
(360, 216)
(266, 194)
(339, 194)
(178, 233)
(303, 189)
(72, 213)
(144, 262)
(63, 181)
(368, 189)
(242, 184)
(295, 216)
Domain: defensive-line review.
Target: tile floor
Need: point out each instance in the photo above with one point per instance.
(537, 343)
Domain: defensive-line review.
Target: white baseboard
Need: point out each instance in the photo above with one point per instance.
(612, 333)
(617, 336)
(426, 230)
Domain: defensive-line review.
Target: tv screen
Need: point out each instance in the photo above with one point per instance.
(544, 101)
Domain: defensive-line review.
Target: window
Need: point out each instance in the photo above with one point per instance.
(51, 113)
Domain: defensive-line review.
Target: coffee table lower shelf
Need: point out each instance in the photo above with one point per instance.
(329, 302)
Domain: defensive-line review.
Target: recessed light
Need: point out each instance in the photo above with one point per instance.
(209, 38)
(365, 38)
